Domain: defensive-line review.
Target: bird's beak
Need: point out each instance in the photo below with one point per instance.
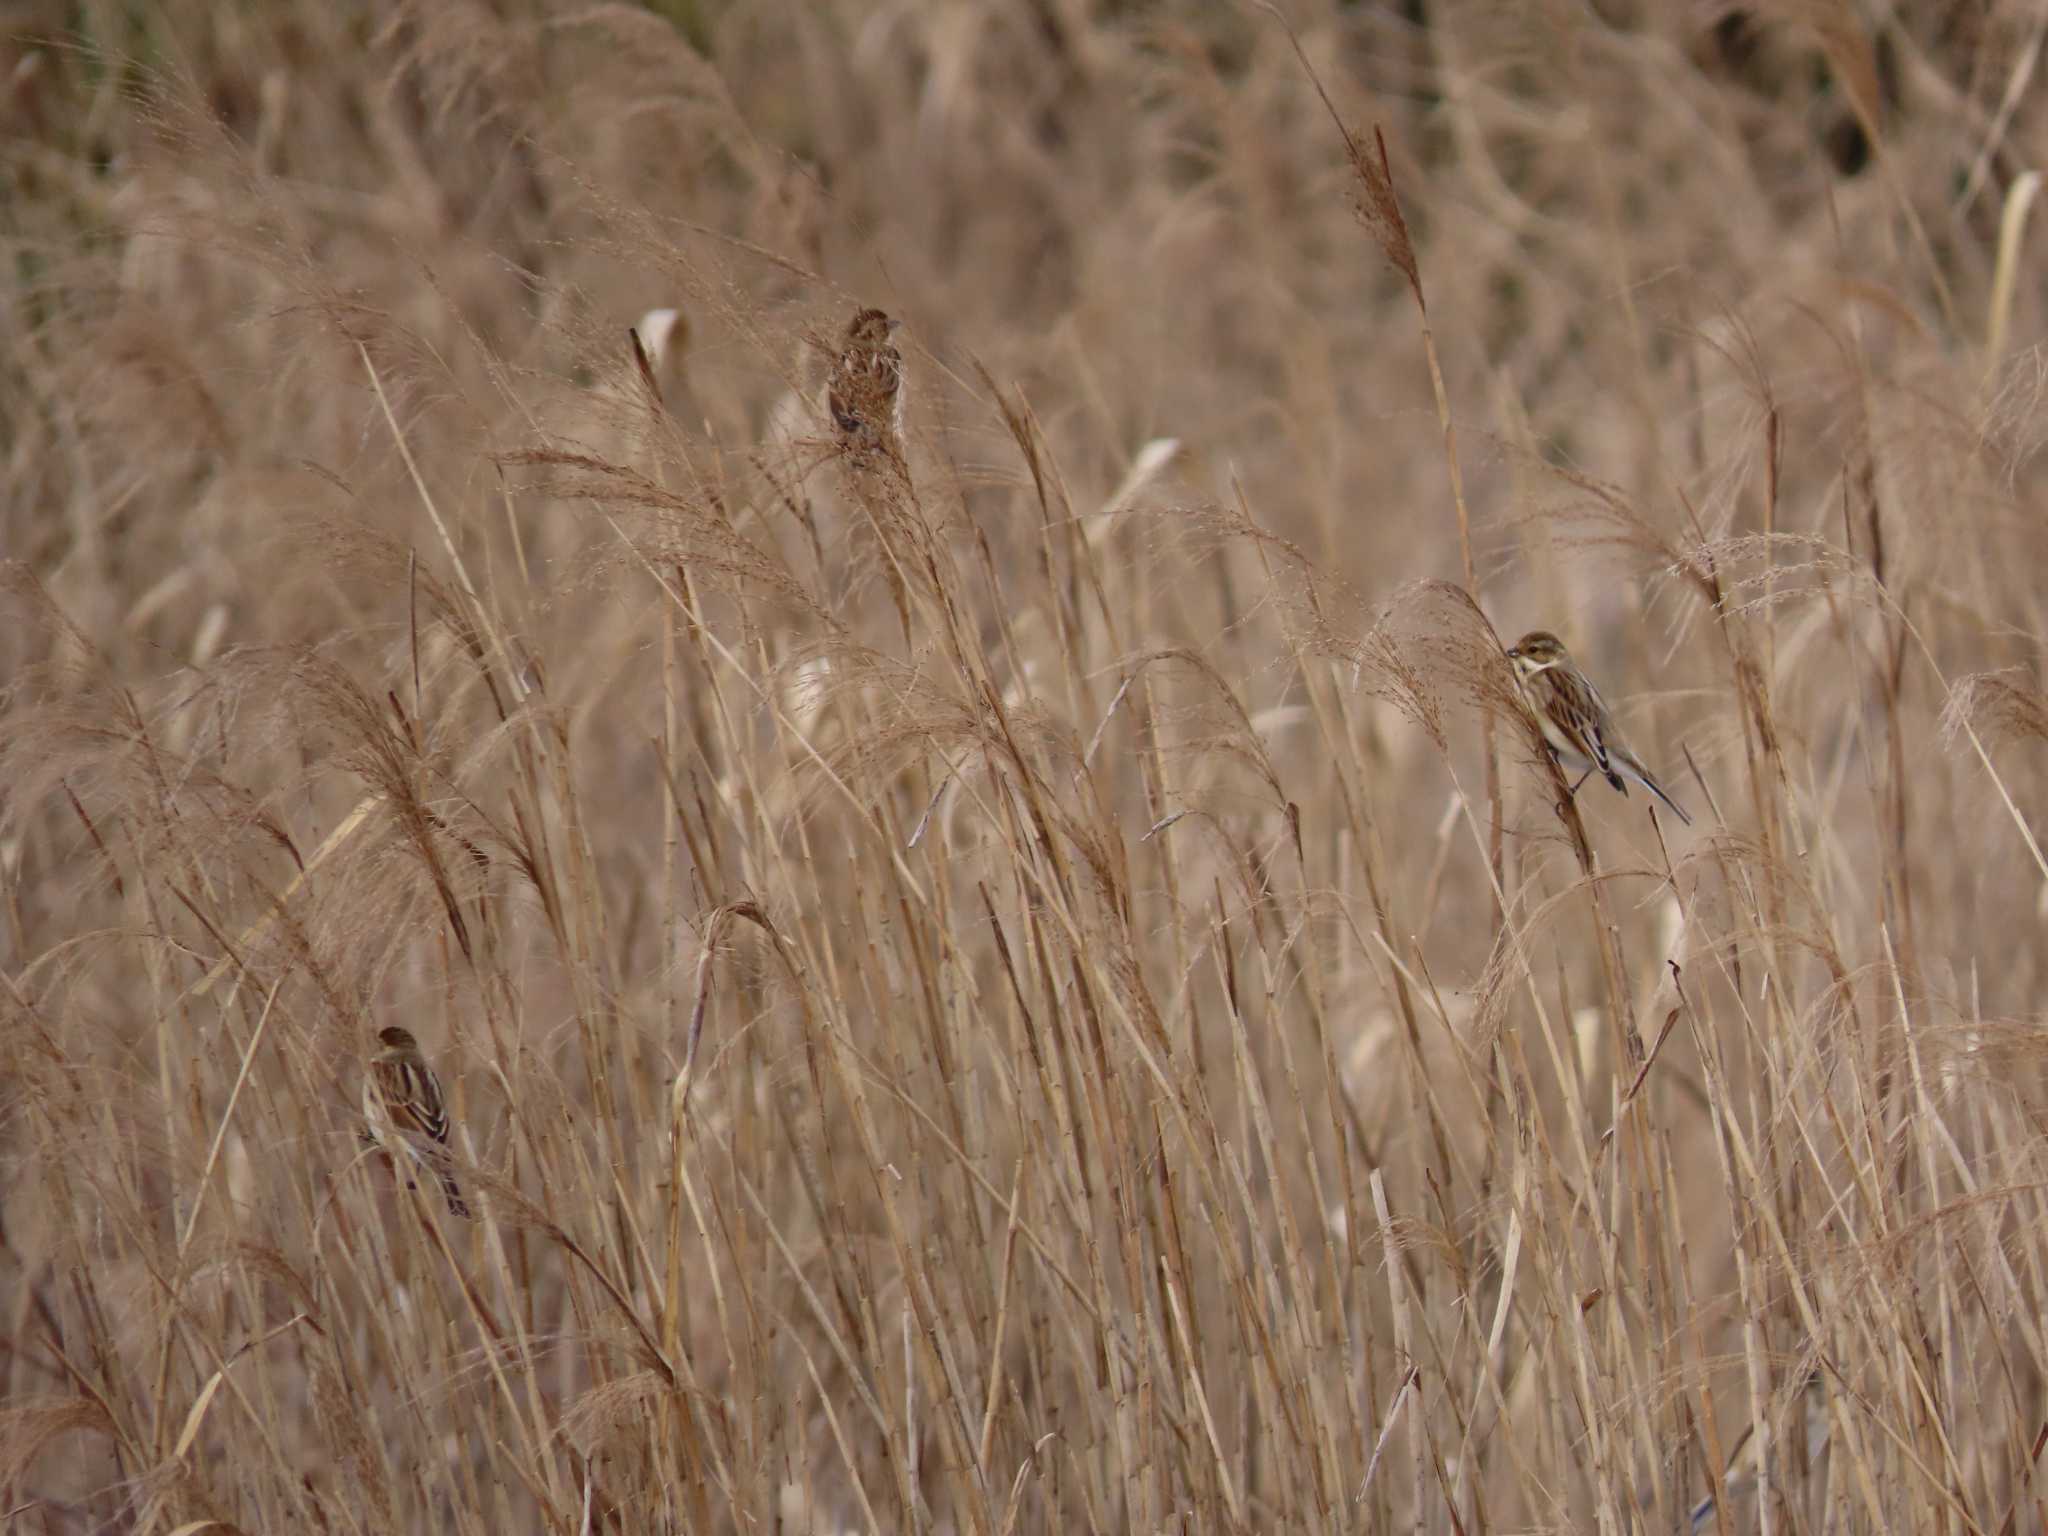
(895, 326)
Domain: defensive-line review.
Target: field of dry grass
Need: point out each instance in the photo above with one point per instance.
(1044, 984)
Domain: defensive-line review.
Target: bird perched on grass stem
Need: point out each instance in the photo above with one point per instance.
(865, 395)
(1815, 1428)
(1574, 719)
(405, 1112)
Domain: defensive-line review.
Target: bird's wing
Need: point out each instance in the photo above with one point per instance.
(412, 1096)
(1569, 712)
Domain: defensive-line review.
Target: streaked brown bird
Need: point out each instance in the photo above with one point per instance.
(866, 392)
(1816, 1428)
(1574, 719)
(405, 1112)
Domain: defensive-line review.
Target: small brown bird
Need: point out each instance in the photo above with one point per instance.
(866, 392)
(1573, 717)
(1816, 1428)
(406, 1113)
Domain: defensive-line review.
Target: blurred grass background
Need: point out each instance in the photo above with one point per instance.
(1047, 987)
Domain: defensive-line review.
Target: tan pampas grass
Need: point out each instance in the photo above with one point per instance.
(1019, 962)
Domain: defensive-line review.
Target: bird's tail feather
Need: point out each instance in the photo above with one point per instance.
(435, 1161)
(1641, 775)
(457, 1206)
